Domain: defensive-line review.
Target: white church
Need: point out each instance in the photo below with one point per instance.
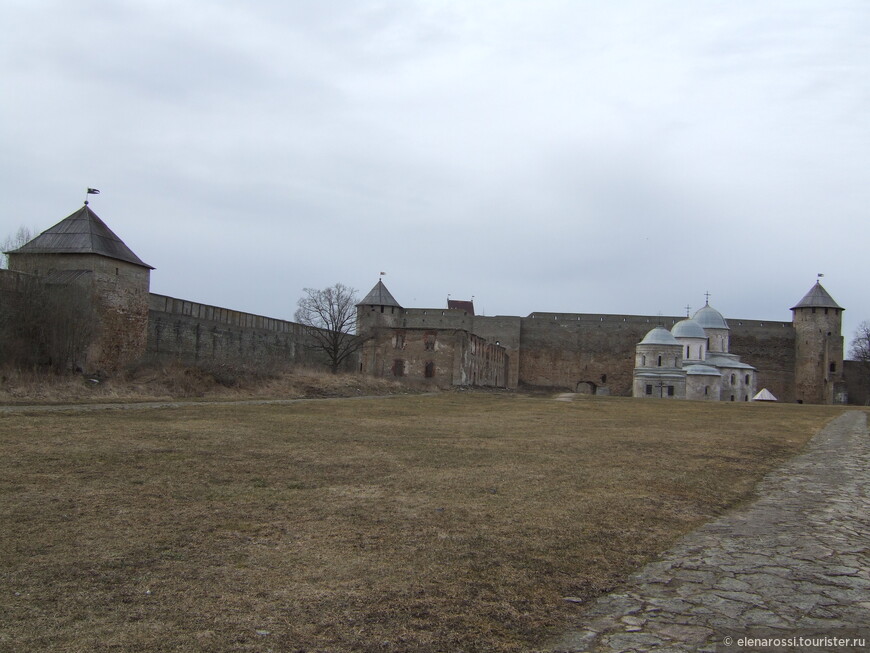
(692, 361)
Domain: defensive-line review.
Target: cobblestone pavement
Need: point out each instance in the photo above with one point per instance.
(795, 563)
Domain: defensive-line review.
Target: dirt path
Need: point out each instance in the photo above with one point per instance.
(795, 563)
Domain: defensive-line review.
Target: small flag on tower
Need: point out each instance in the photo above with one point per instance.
(93, 191)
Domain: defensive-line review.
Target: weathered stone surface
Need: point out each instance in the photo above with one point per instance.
(794, 563)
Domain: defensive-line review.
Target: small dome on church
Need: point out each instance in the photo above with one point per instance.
(659, 336)
(709, 318)
(688, 329)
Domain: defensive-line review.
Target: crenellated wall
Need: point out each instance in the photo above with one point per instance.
(195, 333)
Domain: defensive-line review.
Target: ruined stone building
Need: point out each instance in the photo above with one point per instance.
(706, 357)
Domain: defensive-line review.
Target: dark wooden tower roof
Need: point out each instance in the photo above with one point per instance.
(81, 233)
(817, 297)
(379, 296)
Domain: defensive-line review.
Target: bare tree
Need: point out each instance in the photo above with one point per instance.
(329, 316)
(13, 242)
(860, 349)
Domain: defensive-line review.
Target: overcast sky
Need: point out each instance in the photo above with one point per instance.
(614, 157)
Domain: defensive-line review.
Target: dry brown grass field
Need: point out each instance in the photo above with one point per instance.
(171, 382)
(454, 522)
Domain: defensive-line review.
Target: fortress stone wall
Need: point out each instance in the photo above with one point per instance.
(800, 360)
(194, 334)
(595, 351)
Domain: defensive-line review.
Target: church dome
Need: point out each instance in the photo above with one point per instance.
(688, 329)
(709, 318)
(659, 336)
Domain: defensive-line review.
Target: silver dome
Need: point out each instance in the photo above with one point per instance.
(709, 318)
(688, 329)
(659, 336)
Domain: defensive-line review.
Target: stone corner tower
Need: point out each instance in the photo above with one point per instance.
(82, 250)
(817, 321)
(377, 309)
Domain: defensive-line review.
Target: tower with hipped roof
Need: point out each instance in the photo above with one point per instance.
(817, 321)
(82, 250)
(378, 308)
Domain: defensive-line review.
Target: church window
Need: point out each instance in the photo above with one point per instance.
(649, 389)
(670, 391)
(643, 361)
(676, 361)
(733, 378)
(732, 397)
(706, 389)
(660, 361)
(746, 379)
(688, 355)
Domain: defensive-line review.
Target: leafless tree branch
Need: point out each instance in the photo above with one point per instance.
(329, 316)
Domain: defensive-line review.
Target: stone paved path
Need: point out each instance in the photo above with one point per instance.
(796, 562)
